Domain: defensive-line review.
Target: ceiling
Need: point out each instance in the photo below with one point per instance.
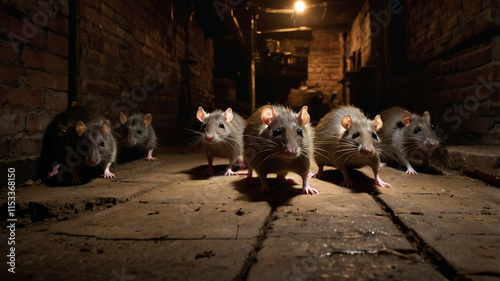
(221, 21)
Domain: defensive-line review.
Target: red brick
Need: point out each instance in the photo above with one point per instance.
(59, 24)
(140, 23)
(101, 87)
(93, 56)
(39, 79)
(21, 32)
(56, 100)
(12, 122)
(44, 61)
(7, 53)
(25, 147)
(57, 44)
(8, 74)
(22, 97)
(93, 3)
(37, 121)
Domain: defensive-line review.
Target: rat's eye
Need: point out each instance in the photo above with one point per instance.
(139, 131)
(203, 126)
(417, 130)
(278, 132)
(355, 135)
(374, 136)
(221, 125)
(433, 127)
(299, 132)
(101, 143)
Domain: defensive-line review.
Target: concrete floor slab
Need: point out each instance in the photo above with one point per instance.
(320, 259)
(65, 257)
(166, 221)
(144, 220)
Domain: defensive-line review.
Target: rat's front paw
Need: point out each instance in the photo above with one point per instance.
(108, 175)
(310, 190)
(380, 182)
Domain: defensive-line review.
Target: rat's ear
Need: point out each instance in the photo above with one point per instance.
(427, 117)
(267, 115)
(80, 128)
(106, 127)
(346, 122)
(304, 117)
(123, 118)
(406, 118)
(201, 114)
(228, 115)
(377, 123)
(148, 118)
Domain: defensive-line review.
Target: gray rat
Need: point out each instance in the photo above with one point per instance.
(347, 139)
(137, 133)
(278, 140)
(409, 136)
(76, 139)
(222, 136)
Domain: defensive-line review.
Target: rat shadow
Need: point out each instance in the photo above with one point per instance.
(422, 168)
(198, 173)
(363, 183)
(280, 196)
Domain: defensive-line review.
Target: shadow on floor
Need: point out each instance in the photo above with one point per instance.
(363, 182)
(197, 173)
(280, 196)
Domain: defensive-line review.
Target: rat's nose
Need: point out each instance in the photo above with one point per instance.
(209, 138)
(366, 151)
(432, 144)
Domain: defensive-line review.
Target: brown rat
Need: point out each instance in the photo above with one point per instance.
(409, 136)
(222, 136)
(136, 133)
(75, 140)
(347, 139)
(278, 140)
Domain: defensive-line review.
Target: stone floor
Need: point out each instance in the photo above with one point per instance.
(165, 221)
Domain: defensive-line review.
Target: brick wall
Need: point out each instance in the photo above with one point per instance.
(324, 67)
(124, 45)
(359, 38)
(33, 78)
(452, 67)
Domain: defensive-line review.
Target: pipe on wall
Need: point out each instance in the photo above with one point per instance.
(74, 86)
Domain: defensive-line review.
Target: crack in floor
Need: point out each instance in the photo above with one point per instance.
(252, 256)
(426, 252)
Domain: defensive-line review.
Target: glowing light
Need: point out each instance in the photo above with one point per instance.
(299, 6)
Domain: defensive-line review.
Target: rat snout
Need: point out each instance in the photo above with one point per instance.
(291, 151)
(431, 144)
(209, 138)
(93, 161)
(130, 142)
(366, 151)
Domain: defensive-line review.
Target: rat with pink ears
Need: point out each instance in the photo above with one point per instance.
(76, 143)
(346, 139)
(409, 136)
(136, 134)
(222, 136)
(278, 140)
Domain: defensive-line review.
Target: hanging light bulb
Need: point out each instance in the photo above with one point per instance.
(299, 6)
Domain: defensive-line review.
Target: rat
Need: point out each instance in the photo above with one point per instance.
(278, 140)
(409, 136)
(75, 140)
(137, 133)
(222, 136)
(345, 138)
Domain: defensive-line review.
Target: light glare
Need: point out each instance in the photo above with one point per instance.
(300, 6)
